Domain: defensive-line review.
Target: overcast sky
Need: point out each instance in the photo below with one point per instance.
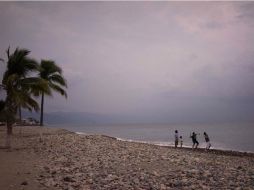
(164, 58)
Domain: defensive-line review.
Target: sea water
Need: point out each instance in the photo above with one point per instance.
(227, 136)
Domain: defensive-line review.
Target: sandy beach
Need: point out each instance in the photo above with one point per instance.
(65, 160)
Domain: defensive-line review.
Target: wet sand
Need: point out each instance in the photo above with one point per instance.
(65, 160)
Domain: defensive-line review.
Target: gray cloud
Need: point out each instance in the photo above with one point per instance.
(168, 58)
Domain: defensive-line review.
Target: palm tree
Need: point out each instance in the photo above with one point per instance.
(52, 73)
(19, 85)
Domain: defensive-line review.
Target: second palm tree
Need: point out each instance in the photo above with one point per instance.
(52, 73)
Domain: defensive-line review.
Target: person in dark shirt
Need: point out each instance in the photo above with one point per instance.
(176, 138)
(194, 140)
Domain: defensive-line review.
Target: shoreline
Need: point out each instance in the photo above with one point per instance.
(62, 159)
(160, 144)
(163, 133)
(189, 148)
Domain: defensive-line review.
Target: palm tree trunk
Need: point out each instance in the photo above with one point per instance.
(9, 128)
(8, 135)
(42, 102)
(9, 119)
(20, 120)
(20, 117)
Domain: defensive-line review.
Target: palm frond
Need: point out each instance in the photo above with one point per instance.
(2, 87)
(58, 89)
(23, 98)
(58, 79)
(10, 81)
(8, 52)
(19, 63)
(31, 104)
(34, 86)
(49, 67)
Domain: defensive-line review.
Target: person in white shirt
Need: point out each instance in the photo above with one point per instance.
(181, 141)
(207, 140)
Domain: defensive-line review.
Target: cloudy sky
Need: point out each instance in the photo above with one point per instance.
(171, 59)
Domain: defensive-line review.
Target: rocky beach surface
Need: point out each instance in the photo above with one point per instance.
(44, 158)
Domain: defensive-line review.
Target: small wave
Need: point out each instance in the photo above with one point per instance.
(171, 144)
(147, 142)
(81, 133)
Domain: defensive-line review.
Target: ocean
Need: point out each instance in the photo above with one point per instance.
(227, 136)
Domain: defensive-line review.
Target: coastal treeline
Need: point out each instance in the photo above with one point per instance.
(24, 81)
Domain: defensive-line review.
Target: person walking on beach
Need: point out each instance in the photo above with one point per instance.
(194, 140)
(176, 138)
(207, 140)
(181, 141)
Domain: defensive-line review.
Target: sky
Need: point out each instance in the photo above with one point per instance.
(145, 59)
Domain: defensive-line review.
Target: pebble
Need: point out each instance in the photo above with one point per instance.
(68, 179)
(24, 183)
(163, 187)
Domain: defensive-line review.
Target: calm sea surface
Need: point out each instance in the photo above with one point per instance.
(223, 136)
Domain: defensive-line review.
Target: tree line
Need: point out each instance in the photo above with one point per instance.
(24, 80)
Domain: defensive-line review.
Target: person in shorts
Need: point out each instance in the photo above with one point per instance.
(181, 141)
(207, 140)
(194, 140)
(176, 138)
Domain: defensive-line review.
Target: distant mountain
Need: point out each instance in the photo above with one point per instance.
(83, 118)
(173, 118)
(70, 118)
